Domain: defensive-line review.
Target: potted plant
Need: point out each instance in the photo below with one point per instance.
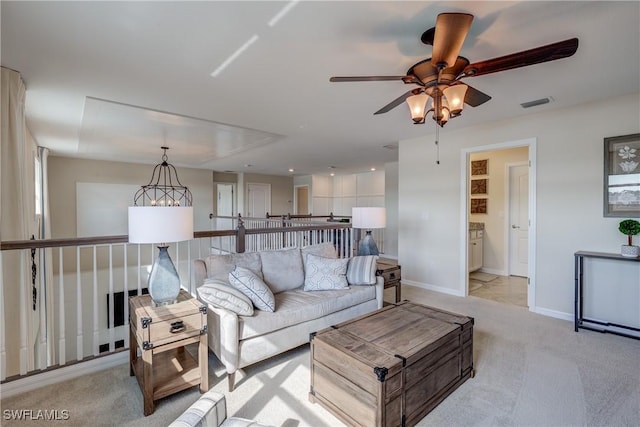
(630, 227)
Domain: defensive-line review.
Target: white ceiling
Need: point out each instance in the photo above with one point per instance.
(117, 80)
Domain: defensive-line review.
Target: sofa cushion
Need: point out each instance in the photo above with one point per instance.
(323, 274)
(282, 270)
(298, 306)
(253, 287)
(362, 270)
(220, 294)
(219, 266)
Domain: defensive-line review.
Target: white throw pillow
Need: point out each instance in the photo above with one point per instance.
(322, 274)
(253, 287)
(219, 294)
(362, 270)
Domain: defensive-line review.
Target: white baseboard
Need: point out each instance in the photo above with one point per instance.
(435, 288)
(54, 376)
(553, 313)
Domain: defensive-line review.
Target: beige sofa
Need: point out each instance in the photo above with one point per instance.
(241, 340)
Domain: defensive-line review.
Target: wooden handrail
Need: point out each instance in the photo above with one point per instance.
(107, 240)
(10, 245)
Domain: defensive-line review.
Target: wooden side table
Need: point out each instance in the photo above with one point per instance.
(391, 272)
(161, 334)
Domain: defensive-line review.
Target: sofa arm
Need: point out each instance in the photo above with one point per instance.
(198, 272)
(224, 336)
(209, 410)
(379, 291)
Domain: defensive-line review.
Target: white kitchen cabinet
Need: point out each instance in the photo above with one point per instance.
(476, 239)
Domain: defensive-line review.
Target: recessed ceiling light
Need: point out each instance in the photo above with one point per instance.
(290, 170)
(332, 174)
(373, 169)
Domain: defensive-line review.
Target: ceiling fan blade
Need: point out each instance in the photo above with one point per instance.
(399, 100)
(451, 30)
(537, 55)
(474, 97)
(365, 78)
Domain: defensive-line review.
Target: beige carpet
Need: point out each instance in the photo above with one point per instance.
(531, 370)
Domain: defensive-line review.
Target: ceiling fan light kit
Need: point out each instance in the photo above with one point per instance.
(439, 78)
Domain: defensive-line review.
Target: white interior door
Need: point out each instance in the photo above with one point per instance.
(519, 220)
(225, 206)
(225, 200)
(259, 200)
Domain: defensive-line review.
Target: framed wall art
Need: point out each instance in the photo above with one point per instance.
(479, 186)
(479, 167)
(622, 176)
(478, 206)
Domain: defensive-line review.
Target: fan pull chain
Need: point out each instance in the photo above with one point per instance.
(437, 145)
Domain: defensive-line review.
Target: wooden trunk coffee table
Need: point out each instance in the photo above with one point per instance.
(392, 366)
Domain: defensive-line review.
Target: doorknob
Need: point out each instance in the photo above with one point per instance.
(515, 226)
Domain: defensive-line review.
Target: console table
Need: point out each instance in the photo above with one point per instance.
(596, 325)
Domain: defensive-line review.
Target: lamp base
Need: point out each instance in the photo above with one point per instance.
(164, 281)
(368, 245)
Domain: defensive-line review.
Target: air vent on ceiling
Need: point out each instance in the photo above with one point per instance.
(540, 101)
(393, 146)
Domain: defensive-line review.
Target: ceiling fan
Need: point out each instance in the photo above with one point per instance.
(439, 77)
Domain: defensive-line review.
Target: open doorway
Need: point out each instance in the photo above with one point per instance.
(301, 199)
(499, 223)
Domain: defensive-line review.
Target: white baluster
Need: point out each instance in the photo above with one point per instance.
(42, 314)
(139, 273)
(126, 294)
(3, 321)
(79, 320)
(110, 316)
(96, 331)
(25, 307)
(62, 344)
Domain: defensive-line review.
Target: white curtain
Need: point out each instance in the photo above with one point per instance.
(20, 322)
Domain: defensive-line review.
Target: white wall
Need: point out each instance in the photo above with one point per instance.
(364, 189)
(391, 203)
(320, 192)
(569, 196)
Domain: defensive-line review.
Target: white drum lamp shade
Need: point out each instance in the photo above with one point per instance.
(155, 224)
(161, 225)
(368, 218)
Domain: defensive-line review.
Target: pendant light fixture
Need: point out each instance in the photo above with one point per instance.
(162, 213)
